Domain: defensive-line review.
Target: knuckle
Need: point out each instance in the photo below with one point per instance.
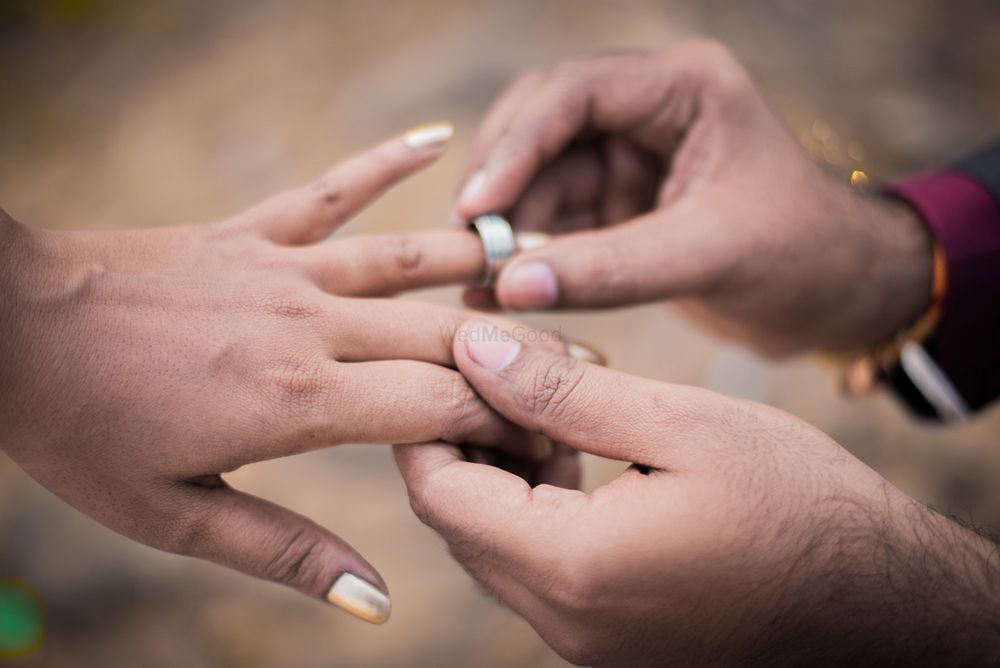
(418, 504)
(404, 255)
(574, 80)
(459, 401)
(288, 304)
(421, 494)
(325, 199)
(294, 309)
(295, 560)
(714, 64)
(553, 385)
(703, 49)
(296, 381)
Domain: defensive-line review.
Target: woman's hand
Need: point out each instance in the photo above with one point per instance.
(137, 366)
(667, 177)
(741, 535)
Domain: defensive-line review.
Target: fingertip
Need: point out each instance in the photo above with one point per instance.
(488, 345)
(399, 156)
(361, 598)
(416, 461)
(464, 361)
(432, 137)
(458, 347)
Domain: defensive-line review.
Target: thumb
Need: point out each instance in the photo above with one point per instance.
(267, 541)
(645, 259)
(583, 405)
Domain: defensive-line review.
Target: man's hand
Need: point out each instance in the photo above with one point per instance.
(667, 177)
(138, 366)
(740, 535)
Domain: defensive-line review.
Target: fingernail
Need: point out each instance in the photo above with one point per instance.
(426, 136)
(360, 598)
(490, 347)
(534, 284)
(584, 351)
(527, 241)
(474, 185)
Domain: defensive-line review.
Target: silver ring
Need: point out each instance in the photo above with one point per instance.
(498, 243)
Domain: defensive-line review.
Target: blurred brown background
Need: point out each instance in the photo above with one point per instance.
(118, 114)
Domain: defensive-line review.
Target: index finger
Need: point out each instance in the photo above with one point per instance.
(493, 522)
(385, 264)
(309, 213)
(648, 96)
(497, 515)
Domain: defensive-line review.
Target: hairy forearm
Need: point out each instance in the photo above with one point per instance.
(948, 586)
(896, 273)
(898, 587)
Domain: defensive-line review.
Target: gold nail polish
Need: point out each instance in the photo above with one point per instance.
(585, 351)
(360, 598)
(430, 135)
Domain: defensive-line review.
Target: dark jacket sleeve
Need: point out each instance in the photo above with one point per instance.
(961, 206)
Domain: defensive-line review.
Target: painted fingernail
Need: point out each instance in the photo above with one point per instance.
(527, 241)
(474, 185)
(490, 347)
(533, 285)
(430, 135)
(360, 598)
(585, 351)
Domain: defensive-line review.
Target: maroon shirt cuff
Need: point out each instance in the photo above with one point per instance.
(965, 220)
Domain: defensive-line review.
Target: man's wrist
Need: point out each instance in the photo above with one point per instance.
(900, 268)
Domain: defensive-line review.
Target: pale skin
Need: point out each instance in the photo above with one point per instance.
(743, 535)
(138, 366)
